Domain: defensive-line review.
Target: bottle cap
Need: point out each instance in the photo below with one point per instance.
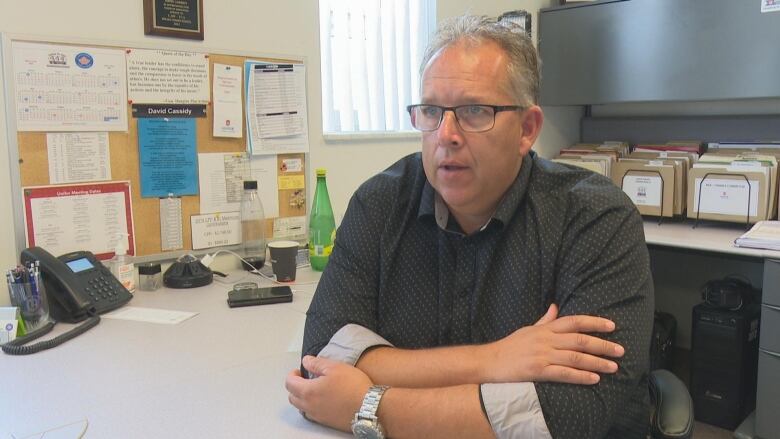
(149, 268)
(250, 184)
(321, 172)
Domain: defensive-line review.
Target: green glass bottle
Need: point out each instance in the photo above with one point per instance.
(322, 225)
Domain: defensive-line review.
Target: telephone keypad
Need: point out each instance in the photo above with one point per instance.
(101, 287)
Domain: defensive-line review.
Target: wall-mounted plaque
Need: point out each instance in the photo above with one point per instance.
(174, 18)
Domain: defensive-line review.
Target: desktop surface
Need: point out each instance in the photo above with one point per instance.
(218, 374)
(707, 236)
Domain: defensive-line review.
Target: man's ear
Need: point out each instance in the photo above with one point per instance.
(531, 120)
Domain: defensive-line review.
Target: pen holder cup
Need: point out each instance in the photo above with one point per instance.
(30, 298)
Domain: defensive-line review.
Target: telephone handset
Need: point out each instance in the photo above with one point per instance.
(77, 284)
(78, 287)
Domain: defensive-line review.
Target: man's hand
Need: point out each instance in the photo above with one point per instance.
(554, 349)
(333, 397)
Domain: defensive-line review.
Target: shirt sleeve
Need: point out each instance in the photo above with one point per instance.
(347, 290)
(513, 410)
(604, 270)
(349, 343)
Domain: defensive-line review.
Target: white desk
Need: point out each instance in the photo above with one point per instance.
(708, 236)
(219, 374)
(718, 239)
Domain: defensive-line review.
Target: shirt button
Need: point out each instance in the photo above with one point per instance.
(464, 292)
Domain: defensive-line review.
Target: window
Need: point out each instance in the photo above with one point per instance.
(371, 51)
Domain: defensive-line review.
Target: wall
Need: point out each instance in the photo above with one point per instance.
(272, 28)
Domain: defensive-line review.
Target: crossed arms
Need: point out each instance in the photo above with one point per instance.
(435, 392)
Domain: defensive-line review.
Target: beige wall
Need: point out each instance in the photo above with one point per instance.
(284, 28)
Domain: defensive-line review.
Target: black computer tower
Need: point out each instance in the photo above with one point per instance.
(724, 362)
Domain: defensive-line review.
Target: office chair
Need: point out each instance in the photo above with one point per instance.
(671, 415)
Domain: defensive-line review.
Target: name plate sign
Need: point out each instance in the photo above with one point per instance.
(168, 110)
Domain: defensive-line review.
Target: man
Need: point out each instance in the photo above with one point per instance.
(465, 280)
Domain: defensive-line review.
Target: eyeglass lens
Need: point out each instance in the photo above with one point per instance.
(471, 118)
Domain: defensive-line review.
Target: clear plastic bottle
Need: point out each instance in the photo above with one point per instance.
(322, 225)
(121, 265)
(252, 226)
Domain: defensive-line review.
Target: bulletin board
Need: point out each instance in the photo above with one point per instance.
(30, 150)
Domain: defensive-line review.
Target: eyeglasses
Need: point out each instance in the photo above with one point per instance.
(471, 118)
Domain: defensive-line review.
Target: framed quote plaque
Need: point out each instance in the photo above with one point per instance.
(174, 18)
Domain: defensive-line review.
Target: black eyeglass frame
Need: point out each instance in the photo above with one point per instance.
(496, 109)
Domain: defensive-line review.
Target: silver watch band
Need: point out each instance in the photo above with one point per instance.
(371, 403)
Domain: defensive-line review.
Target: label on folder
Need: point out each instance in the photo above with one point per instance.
(643, 190)
(726, 197)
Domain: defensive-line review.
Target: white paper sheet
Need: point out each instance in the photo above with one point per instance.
(764, 234)
(727, 197)
(215, 229)
(228, 115)
(222, 176)
(167, 77)
(292, 228)
(276, 108)
(770, 6)
(150, 315)
(78, 157)
(171, 234)
(69, 88)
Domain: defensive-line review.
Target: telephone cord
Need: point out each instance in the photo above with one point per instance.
(16, 346)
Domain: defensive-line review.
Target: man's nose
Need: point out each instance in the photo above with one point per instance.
(449, 130)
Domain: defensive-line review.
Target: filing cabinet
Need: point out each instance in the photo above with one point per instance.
(768, 394)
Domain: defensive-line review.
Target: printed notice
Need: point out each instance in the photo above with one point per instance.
(212, 230)
(171, 236)
(78, 157)
(167, 77)
(643, 190)
(770, 6)
(62, 219)
(293, 227)
(169, 162)
(228, 115)
(222, 182)
(726, 197)
(276, 115)
(69, 88)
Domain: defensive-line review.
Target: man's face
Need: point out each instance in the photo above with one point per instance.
(472, 171)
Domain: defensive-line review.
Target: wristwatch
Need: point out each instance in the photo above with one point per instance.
(366, 424)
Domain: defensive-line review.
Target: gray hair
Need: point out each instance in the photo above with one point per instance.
(522, 64)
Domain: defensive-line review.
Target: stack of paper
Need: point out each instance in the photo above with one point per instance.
(694, 146)
(759, 146)
(764, 234)
(597, 157)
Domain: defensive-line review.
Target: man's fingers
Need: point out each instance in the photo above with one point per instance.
(584, 362)
(563, 374)
(582, 323)
(588, 344)
(316, 365)
(549, 316)
(294, 382)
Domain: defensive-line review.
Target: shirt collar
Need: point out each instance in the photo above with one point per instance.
(431, 203)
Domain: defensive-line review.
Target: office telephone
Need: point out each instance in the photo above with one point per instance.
(78, 287)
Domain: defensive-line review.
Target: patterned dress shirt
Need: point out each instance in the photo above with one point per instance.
(403, 269)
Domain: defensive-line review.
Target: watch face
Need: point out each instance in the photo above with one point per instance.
(365, 429)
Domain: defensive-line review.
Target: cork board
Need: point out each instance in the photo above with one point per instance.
(124, 157)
